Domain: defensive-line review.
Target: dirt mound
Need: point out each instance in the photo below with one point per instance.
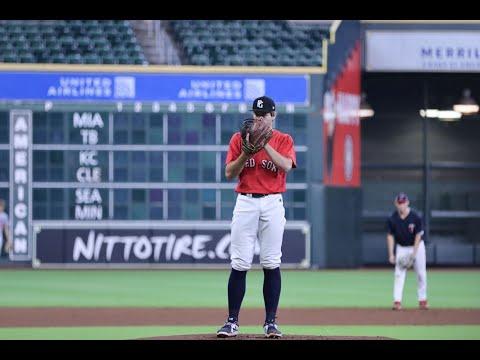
(261, 337)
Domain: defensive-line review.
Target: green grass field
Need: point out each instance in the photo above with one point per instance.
(450, 332)
(195, 288)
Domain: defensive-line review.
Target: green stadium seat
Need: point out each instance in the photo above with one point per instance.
(34, 36)
(42, 57)
(77, 29)
(6, 47)
(233, 42)
(109, 29)
(63, 31)
(10, 57)
(200, 59)
(21, 45)
(66, 39)
(52, 38)
(15, 30)
(30, 31)
(140, 61)
(108, 59)
(133, 47)
(53, 46)
(105, 23)
(90, 22)
(125, 60)
(83, 40)
(94, 31)
(72, 41)
(100, 43)
(48, 30)
(105, 54)
(92, 59)
(58, 58)
(74, 59)
(120, 53)
(29, 58)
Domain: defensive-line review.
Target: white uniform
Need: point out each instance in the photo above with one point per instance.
(262, 218)
(404, 232)
(3, 224)
(420, 268)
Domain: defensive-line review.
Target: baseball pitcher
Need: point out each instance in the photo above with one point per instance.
(260, 157)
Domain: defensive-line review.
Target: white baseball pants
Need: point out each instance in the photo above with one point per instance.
(257, 218)
(420, 268)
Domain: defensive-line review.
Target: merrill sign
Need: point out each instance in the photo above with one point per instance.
(423, 50)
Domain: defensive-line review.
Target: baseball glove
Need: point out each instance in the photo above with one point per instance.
(406, 261)
(255, 135)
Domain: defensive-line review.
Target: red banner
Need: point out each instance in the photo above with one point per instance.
(341, 125)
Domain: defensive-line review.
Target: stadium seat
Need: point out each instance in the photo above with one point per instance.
(72, 41)
(74, 59)
(282, 42)
(58, 58)
(26, 58)
(109, 59)
(92, 59)
(10, 57)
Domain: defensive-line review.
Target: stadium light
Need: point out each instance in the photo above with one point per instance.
(444, 115)
(365, 110)
(449, 115)
(467, 105)
(429, 113)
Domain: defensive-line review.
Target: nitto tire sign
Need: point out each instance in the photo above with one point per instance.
(156, 246)
(20, 183)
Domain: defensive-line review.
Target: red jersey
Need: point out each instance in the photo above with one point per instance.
(260, 175)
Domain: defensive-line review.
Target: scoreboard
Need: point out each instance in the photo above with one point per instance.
(137, 180)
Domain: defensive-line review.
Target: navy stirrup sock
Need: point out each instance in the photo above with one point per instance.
(236, 291)
(272, 284)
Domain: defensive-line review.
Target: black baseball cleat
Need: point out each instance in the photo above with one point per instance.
(230, 329)
(272, 331)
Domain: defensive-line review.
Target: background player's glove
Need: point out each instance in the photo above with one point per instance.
(255, 135)
(406, 261)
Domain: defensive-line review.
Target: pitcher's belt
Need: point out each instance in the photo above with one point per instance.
(257, 195)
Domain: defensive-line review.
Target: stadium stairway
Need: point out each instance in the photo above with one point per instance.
(156, 43)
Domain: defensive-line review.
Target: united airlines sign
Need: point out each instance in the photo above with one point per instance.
(429, 51)
(160, 87)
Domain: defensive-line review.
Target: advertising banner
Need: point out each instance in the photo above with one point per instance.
(99, 86)
(341, 126)
(425, 51)
(20, 183)
(175, 245)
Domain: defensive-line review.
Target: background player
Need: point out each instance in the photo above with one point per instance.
(258, 214)
(405, 230)
(5, 243)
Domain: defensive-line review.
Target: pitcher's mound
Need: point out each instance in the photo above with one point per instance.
(262, 337)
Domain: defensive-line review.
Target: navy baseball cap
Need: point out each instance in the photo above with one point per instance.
(263, 104)
(401, 198)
